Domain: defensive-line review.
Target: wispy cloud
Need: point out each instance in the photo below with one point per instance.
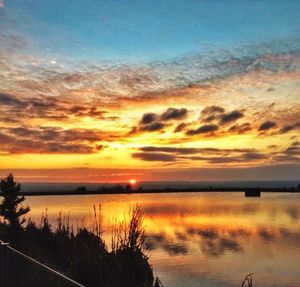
(65, 107)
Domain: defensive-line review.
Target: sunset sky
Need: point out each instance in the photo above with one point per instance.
(153, 90)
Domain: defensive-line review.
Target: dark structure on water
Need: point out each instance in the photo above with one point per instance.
(252, 193)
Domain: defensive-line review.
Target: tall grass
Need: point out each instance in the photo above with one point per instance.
(83, 255)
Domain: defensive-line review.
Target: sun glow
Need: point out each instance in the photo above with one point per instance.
(132, 181)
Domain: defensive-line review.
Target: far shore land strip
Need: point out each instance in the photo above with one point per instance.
(80, 191)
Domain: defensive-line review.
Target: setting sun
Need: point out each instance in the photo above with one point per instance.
(132, 181)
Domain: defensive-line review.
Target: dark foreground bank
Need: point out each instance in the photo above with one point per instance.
(75, 251)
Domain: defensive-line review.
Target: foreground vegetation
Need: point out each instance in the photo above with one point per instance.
(80, 254)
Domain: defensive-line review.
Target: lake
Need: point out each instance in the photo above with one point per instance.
(200, 239)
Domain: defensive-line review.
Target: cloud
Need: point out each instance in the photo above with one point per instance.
(267, 126)
(149, 156)
(203, 130)
(8, 100)
(217, 114)
(180, 127)
(230, 117)
(182, 150)
(50, 108)
(211, 113)
(174, 114)
(289, 154)
(212, 110)
(20, 140)
(149, 118)
(289, 127)
(152, 122)
(152, 127)
(240, 128)
(240, 158)
(1, 4)
(208, 155)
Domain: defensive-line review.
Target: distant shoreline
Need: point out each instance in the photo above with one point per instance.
(165, 190)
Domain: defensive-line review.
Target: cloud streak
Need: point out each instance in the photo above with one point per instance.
(50, 140)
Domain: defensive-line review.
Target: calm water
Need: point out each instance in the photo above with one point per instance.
(202, 239)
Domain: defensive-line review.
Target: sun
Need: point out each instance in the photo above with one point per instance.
(132, 181)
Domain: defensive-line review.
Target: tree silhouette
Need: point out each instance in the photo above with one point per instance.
(10, 207)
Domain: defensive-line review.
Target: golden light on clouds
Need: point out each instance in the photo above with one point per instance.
(143, 117)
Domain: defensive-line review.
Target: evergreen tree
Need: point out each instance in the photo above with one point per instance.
(11, 208)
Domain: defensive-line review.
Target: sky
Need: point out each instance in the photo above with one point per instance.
(153, 90)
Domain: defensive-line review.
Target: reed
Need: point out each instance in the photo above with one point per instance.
(83, 255)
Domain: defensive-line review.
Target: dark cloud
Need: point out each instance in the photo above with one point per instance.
(48, 107)
(169, 150)
(203, 130)
(217, 114)
(4, 138)
(149, 156)
(148, 118)
(212, 110)
(174, 114)
(55, 133)
(286, 158)
(211, 113)
(210, 155)
(240, 129)
(266, 126)
(28, 146)
(8, 100)
(182, 150)
(254, 156)
(152, 127)
(292, 150)
(230, 117)
(151, 122)
(83, 111)
(224, 159)
(50, 140)
(288, 128)
(290, 154)
(181, 127)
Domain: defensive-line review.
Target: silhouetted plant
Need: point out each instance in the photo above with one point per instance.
(81, 255)
(248, 281)
(128, 245)
(11, 208)
(131, 235)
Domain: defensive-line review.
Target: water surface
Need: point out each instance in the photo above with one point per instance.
(200, 239)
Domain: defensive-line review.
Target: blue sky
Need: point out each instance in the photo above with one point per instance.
(140, 84)
(147, 30)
